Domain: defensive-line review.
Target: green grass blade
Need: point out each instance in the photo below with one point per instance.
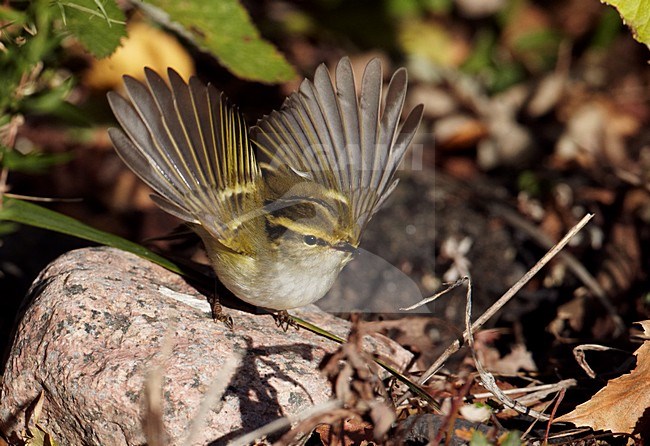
(20, 211)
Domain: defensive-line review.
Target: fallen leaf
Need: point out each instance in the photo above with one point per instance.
(620, 405)
(476, 413)
(355, 431)
(519, 357)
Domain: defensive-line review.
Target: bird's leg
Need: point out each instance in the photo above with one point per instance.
(217, 311)
(284, 320)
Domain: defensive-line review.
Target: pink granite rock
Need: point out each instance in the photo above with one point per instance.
(101, 319)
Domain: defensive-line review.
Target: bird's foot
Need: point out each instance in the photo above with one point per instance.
(284, 320)
(218, 314)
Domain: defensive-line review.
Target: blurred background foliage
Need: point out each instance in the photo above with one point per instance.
(50, 48)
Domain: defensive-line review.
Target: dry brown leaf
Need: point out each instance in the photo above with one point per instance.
(570, 318)
(624, 263)
(355, 432)
(596, 134)
(458, 132)
(620, 405)
(353, 376)
(547, 94)
(37, 409)
(411, 332)
(519, 357)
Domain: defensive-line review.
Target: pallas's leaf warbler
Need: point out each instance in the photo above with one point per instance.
(278, 229)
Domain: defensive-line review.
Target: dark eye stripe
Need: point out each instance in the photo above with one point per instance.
(274, 231)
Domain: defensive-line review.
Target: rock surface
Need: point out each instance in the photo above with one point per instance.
(100, 320)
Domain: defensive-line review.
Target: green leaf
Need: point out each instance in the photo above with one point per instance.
(482, 53)
(512, 438)
(10, 16)
(52, 102)
(97, 24)
(636, 15)
(479, 439)
(224, 29)
(607, 29)
(47, 100)
(31, 162)
(20, 211)
(7, 228)
(402, 8)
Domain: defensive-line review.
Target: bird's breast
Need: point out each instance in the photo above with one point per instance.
(283, 283)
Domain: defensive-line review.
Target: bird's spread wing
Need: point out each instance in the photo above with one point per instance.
(350, 145)
(191, 147)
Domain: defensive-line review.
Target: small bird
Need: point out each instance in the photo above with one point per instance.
(278, 229)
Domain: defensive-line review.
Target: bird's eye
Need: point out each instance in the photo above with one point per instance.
(310, 240)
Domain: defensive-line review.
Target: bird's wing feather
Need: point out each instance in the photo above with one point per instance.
(348, 144)
(192, 147)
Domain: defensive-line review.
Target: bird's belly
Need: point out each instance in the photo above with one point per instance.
(293, 290)
(283, 284)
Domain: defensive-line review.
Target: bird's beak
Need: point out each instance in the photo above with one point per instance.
(346, 247)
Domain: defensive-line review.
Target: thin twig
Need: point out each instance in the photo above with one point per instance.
(558, 400)
(43, 199)
(579, 355)
(430, 299)
(572, 263)
(489, 382)
(533, 390)
(455, 346)
(4, 175)
(487, 379)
